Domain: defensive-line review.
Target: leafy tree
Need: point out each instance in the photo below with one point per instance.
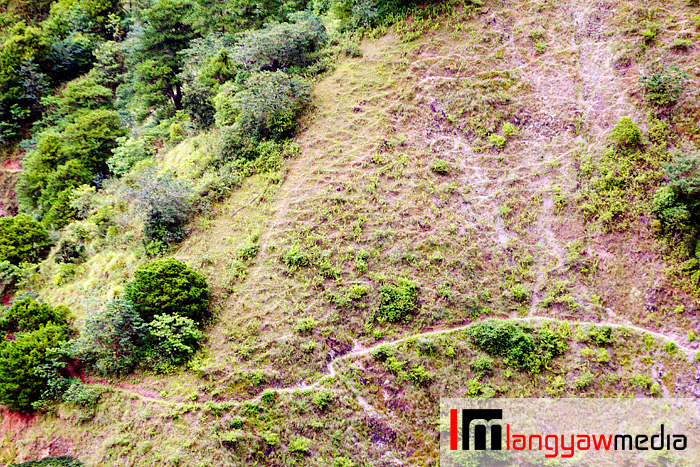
(168, 286)
(173, 339)
(22, 239)
(266, 107)
(20, 385)
(164, 203)
(112, 339)
(170, 26)
(666, 87)
(28, 315)
(677, 202)
(280, 46)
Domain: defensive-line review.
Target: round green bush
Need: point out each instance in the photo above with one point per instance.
(168, 286)
(19, 383)
(22, 239)
(27, 315)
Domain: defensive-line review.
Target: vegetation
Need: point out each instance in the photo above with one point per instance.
(22, 239)
(168, 286)
(237, 201)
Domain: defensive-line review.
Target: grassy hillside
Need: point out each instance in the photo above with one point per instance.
(461, 169)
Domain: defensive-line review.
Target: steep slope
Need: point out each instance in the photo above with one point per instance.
(451, 155)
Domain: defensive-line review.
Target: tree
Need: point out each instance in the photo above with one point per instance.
(20, 385)
(170, 26)
(29, 315)
(112, 339)
(164, 204)
(266, 107)
(173, 339)
(168, 286)
(22, 239)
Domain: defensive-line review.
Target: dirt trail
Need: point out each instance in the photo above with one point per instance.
(690, 353)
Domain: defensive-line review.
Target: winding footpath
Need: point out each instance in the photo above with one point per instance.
(359, 352)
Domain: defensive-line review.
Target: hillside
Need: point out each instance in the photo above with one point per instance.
(472, 161)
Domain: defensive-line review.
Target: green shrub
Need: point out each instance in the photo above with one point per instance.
(420, 376)
(664, 88)
(322, 399)
(61, 461)
(506, 339)
(169, 287)
(343, 462)
(440, 166)
(112, 340)
(266, 107)
(20, 386)
(28, 315)
(601, 336)
(482, 365)
(268, 396)
(299, 446)
(397, 301)
(626, 132)
(164, 204)
(295, 258)
(22, 239)
(172, 340)
(382, 352)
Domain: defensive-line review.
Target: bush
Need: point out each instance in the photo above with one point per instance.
(22, 239)
(440, 166)
(299, 446)
(169, 287)
(676, 204)
(112, 339)
(420, 376)
(28, 315)
(506, 339)
(295, 258)
(164, 204)
(664, 88)
(397, 301)
(61, 461)
(482, 365)
(266, 107)
(601, 336)
(322, 399)
(173, 339)
(20, 386)
(626, 132)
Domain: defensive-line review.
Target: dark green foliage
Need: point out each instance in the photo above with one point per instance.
(61, 461)
(83, 131)
(677, 202)
(169, 28)
(280, 46)
(164, 204)
(266, 107)
(295, 257)
(28, 315)
(172, 340)
(112, 339)
(168, 286)
(22, 239)
(664, 88)
(20, 386)
(518, 348)
(397, 301)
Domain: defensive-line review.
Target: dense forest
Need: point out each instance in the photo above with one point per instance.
(280, 231)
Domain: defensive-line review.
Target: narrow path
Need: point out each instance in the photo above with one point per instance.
(332, 372)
